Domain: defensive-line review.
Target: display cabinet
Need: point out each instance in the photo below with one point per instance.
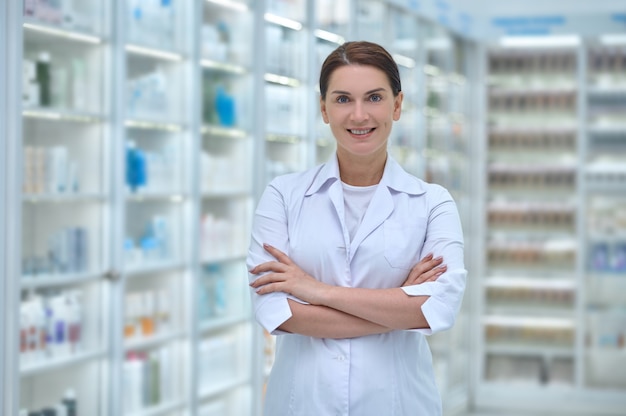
(604, 241)
(553, 181)
(156, 58)
(66, 207)
(448, 64)
(530, 290)
(404, 45)
(224, 344)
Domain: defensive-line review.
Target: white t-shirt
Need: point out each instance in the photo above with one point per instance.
(355, 201)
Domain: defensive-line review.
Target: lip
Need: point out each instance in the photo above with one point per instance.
(359, 134)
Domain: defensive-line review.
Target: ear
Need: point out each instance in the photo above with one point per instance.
(323, 110)
(397, 106)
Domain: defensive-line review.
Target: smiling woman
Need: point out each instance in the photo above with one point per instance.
(360, 109)
(346, 260)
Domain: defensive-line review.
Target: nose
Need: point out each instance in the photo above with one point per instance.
(359, 112)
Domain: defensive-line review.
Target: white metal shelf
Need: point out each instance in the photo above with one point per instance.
(153, 267)
(522, 350)
(220, 132)
(215, 324)
(222, 387)
(61, 115)
(224, 259)
(64, 198)
(34, 27)
(226, 194)
(53, 280)
(153, 341)
(157, 54)
(45, 366)
(142, 195)
(165, 408)
(154, 124)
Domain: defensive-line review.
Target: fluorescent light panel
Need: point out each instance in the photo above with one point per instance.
(404, 61)
(329, 36)
(170, 56)
(613, 39)
(207, 63)
(282, 80)
(554, 41)
(240, 7)
(281, 21)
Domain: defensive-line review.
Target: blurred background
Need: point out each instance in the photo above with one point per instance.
(141, 133)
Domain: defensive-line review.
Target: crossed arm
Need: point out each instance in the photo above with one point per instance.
(344, 312)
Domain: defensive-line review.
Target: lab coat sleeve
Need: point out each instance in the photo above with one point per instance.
(444, 237)
(269, 226)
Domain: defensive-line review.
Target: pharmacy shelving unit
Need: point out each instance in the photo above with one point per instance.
(550, 178)
(225, 341)
(154, 61)
(529, 288)
(287, 95)
(10, 209)
(404, 45)
(448, 69)
(134, 225)
(66, 208)
(603, 231)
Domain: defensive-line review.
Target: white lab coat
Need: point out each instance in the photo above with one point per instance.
(302, 214)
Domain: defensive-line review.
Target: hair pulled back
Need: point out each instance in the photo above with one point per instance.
(360, 53)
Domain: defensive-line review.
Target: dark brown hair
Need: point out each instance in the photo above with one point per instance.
(360, 53)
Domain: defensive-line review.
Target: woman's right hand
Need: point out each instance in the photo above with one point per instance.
(427, 270)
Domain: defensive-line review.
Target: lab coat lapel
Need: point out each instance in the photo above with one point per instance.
(379, 209)
(335, 193)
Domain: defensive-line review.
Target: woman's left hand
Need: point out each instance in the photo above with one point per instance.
(284, 275)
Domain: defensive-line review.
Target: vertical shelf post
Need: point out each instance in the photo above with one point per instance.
(10, 207)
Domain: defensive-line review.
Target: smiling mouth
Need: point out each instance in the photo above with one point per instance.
(360, 132)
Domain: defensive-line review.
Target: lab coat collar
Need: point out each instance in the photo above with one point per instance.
(394, 177)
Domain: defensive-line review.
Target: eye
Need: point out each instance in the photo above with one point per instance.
(376, 98)
(342, 99)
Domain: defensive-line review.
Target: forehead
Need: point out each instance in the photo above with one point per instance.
(357, 78)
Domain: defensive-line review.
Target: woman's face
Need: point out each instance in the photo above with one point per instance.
(360, 109)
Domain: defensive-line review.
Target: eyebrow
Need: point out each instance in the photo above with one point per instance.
(366, 93)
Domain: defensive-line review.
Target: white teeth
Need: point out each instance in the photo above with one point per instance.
(360, 131)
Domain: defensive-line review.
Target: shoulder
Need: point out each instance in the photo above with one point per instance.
(411, 184)
(296, 182)
(435, 191)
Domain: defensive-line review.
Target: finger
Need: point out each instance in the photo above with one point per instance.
(417, 276)
(427, 263)
(268, 279)
(279, 255)
(424, 265)
(269, 288)
(432, 275)
(270, 266)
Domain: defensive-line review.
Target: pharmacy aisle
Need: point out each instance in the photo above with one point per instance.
(141, 133)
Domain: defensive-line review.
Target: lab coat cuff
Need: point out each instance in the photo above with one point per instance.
(273, 311)
(423, 289)
(438, 315)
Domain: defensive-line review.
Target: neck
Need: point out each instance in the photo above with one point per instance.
(361, 172)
